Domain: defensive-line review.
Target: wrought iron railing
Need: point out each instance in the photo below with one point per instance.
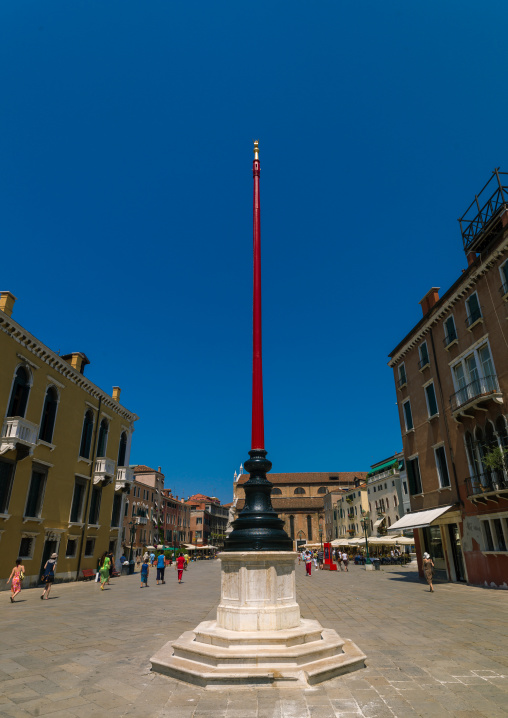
(483, 386)
(480, 217)
(483, 483)
(474, 316)
(423, 363)
(449, 338)
(402, 382)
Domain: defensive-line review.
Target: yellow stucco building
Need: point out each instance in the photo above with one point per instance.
(64, 457)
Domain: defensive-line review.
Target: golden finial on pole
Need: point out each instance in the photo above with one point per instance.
(256, 149)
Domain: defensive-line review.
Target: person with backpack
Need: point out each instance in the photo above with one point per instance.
(17, 575)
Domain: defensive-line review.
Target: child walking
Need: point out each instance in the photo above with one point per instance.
(144, 573)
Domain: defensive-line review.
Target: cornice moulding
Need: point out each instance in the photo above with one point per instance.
(459, 293)
(43, 353)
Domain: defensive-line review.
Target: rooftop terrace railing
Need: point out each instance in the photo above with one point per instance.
(479, 219)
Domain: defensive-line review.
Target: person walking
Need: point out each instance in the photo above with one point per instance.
(180, 565)
(320, 557)
(17, 575)
(48, 577)
(104, 569)
(160, 568)
(145, 570)
(152, 558)
(428, 566)
(308, 563)
(345, 560)
(338, 557)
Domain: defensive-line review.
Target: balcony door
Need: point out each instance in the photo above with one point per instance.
(473, 375)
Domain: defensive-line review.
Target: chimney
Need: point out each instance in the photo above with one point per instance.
(429, 300)
(116, 393)
(160, 472)
(7, 302)
(471, 258)
(77, 360)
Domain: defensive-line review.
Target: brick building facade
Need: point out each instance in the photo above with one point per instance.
(451, 376)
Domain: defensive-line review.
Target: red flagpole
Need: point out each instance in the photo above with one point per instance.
(258, 430)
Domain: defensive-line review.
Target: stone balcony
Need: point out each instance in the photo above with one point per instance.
(124, 478)
(104, 471)
(141, 520)
(15, 431)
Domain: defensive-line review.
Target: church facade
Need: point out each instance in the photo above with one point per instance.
(299, 499)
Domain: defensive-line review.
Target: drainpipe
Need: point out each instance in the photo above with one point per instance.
(89, 492)
(447, 429)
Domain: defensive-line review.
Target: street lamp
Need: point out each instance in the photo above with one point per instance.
(321, 535)
(365, 525)
(132, 525)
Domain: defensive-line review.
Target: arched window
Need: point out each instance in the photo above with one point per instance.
(322, 490)
(103, 438)
(299, 490)
(292, 527)
(276, 491)
(309, 528)
(122, 449)
(86, 435)
(19, 393)
(502, 433)
(49, 415)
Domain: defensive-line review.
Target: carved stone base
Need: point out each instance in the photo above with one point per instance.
(258, 637)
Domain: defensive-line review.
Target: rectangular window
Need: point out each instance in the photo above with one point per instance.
(72, 547)
(133, 509)
(424, 356)
(404, 486)
(499, 535)
(402, 376)
(6, 476)
(126, 511)
(503, 270)
(413, 475)
(473, 309)
(488, 536)
(35, 494)
(89, 547)
(117, 508)
(442, 467)
(199, 520)
(95, 506)
(408, 417)
(450, 332)
(26, 547)
(430, 396)
(198, 534)
(77, 501)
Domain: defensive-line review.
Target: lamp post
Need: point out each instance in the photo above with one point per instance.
(321, 535)
(365, 525)
(132, 526)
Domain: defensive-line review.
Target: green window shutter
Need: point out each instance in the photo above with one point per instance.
(411, 477)
(431, 398)
(34, 494)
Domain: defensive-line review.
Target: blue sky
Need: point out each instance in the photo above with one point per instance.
(126, 206)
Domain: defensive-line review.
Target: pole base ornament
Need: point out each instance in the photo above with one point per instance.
(258, 527)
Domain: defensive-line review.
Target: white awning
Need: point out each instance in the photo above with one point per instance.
(378, 523)
(419, 519)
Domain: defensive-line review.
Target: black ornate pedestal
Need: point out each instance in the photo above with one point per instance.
(258, 527)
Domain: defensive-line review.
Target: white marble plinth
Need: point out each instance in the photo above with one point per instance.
(259, 637)
(258, 591)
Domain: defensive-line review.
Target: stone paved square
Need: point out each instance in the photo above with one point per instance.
(85, 652)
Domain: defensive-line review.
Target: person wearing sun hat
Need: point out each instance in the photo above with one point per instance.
(48, 577)
(428, 565)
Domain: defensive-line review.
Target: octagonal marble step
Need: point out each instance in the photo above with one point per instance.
(254, 663)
